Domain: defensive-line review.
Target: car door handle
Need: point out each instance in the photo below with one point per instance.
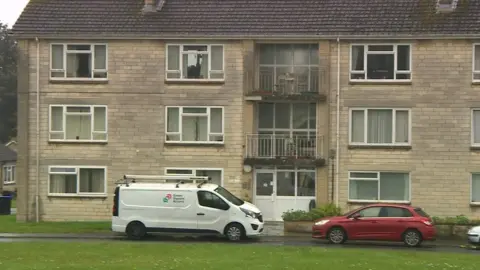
(373, 221)
(200, 214)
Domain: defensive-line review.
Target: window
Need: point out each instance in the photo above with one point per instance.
(195, 125)
(9, 174)
(210, 200)
(195, 62)
(65, 180)
(380, 126)
(370, 212)
(475, 188)
(394, 212)
(380, 62)
(80, 123)
(379, 186)
(281, 65)
(476, 62)
(216, 175)
(78, 61)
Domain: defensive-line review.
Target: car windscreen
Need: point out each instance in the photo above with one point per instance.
(229, 196)
(421, 212)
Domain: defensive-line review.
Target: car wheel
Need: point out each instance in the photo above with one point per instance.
(337, 235)
(412, 238)
(234, 232)
(136, 230)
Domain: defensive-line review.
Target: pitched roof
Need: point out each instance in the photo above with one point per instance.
(246, 18)
(7, 154)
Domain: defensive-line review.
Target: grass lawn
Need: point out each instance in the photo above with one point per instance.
(8, 224)
(127, 255)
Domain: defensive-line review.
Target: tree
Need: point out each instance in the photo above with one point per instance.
(8, 85)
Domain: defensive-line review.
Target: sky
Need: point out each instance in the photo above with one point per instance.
(10, 10)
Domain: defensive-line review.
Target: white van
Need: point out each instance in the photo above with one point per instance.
(179, 207)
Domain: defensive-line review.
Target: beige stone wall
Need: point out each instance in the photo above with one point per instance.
(136, 95)
(440, 96)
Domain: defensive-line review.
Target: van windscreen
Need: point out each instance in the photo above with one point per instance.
(229, 196)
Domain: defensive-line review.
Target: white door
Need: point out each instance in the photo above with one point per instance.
(213, 212)
(265, 193)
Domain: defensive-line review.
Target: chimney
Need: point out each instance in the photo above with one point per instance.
(444, 6)
(149, 6)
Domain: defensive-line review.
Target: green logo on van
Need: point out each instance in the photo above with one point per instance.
(167, 198)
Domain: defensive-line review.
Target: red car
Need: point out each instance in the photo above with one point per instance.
(378, 222)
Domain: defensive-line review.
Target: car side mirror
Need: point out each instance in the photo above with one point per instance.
(356, 216)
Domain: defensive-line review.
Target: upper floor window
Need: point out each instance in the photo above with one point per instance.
(288, 68)
(195, 62)
(195, 125)
(78, 123)
(78, 61)
(379, 186)
(8, 174)
(476, 62)
(380, 126)
(475, 132)
(380, 62)
(77, 180)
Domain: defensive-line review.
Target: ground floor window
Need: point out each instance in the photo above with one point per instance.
(285, 181)
(475, 188)
(8, 174)
(379, 186)
(70, 180)
(216, 175)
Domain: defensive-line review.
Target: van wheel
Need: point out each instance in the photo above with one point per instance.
(136, 230)
(234, 232)
(412, 238)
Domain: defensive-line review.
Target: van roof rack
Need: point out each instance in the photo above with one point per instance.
(132, 178)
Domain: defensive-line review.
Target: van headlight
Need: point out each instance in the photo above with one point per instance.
(249, 213)
(321, 222)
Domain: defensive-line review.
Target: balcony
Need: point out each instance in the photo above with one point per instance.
(268, 149)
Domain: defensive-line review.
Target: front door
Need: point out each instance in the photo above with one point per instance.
(265, 193)
(212, 212)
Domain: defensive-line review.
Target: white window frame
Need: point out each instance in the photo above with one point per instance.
(77, 172)
(9, 170)
(472, 127)
(379, 183)
(207, 114)
(475, 71)
(365, 126)
(193, 172)
(471, 189)
(65, 53)
(182, 52)
(64, 123)
(365, 60)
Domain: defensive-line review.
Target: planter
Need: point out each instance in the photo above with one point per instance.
(444, 231)
(297, 226)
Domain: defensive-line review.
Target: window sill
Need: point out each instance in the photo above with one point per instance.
(78, 81)
(362, 202)
(476, 82)
(77, 195)
(380, 82)
(199, 144)
(475, 204)
(9, 183)
(387, 147)
(173, 81)
(76, 142)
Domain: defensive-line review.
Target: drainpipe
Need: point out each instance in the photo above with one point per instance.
(337, 135)
(37, 208)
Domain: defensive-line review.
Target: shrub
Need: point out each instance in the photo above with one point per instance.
(327, 210)
(458, 220)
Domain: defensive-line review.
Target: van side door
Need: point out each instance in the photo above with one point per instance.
(213, 212)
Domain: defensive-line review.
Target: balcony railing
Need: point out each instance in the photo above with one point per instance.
(282, 146)
(276, 81)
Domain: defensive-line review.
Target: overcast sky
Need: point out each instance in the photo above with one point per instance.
(10, 10)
